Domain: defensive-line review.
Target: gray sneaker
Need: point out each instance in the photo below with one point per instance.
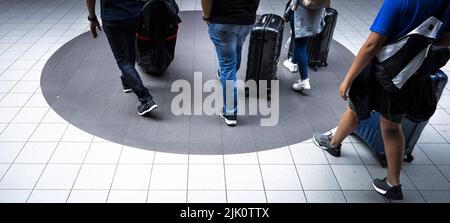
(324, 142)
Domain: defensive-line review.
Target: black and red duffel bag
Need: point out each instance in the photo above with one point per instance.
(157, 35)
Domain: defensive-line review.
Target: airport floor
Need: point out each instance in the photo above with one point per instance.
(68, 134)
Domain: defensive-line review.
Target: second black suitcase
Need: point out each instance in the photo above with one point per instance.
(319, 45)
(265, 46)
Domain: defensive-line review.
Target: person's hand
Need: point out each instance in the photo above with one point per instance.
(94, 25)
(344, 88)
(206, 19)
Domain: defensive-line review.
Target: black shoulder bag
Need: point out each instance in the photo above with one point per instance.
(398, 61)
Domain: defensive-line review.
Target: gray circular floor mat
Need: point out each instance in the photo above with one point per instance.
(81, 83)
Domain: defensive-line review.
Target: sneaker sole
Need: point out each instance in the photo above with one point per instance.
(301, 89)
(148, 110)
(382, 192)
(127, 90)
(228, 122)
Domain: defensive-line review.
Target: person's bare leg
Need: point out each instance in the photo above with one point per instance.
(348, 122)
(394, 144)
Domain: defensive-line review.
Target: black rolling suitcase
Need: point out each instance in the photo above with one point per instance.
(265, 46)
(157, 34)
(369, 130)
(319, 45)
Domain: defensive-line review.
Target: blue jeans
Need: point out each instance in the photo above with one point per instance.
(300, 54)
(121, 36)
(228, 40)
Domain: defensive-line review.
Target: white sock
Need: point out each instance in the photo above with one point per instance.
(390, 185)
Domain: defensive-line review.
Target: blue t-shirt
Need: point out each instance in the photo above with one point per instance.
(119, 9)
(397, 18)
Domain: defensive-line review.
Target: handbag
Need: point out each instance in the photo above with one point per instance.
(398, 61)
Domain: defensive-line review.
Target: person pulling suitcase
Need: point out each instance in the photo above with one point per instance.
(395, 20)
(306, 19)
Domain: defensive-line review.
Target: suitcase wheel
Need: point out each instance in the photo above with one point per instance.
(409, 158)
(316, 68)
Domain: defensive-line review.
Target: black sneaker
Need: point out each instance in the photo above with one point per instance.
(125, 87)
(146, 107)
(324, 142)
(390, 192)
(127, 90)
(230, 120)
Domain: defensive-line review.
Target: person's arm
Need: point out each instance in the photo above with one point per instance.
(444, 40)
(367, 52)
(93, 21)
(381, 28)
(207, 8)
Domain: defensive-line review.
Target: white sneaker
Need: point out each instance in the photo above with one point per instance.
(298, 86)
(292, 67)
(306, 84)
(301, 85)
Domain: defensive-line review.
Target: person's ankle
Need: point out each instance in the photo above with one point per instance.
(334, 145)
(392, 183)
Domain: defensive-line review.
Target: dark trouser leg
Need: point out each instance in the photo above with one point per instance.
(121, 38)
(299, 54)
(291, 23)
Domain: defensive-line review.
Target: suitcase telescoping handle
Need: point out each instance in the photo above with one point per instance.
(272, 19)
